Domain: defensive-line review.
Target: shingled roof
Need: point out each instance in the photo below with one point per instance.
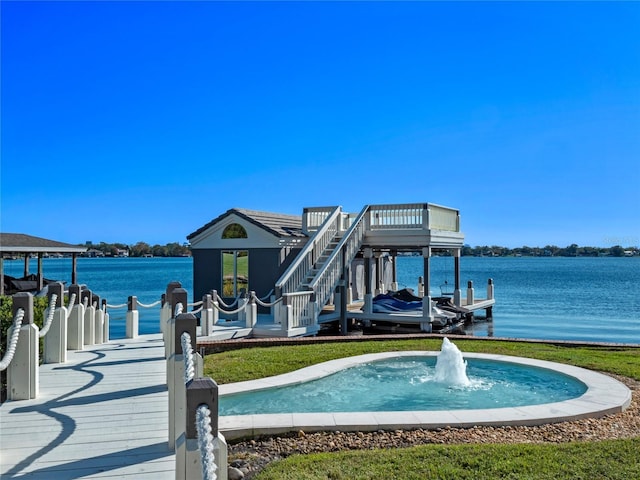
(278, 224)
(21, 243)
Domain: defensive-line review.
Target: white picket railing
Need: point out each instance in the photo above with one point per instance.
(297, 272)
(344, 253)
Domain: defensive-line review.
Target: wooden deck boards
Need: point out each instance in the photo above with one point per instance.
(103, 414)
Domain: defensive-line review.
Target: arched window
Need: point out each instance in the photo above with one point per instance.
(234, 230)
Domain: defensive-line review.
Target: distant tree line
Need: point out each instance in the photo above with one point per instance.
(140, 249)
(572, 250)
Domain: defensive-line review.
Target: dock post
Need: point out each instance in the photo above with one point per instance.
(133, 316)
(206, 318)
(216, 306)
(22, 372)
(420, 287)
(178, 296)
(184, 323)
(201, 392)
(98, 320)
(489, 310)
(165, 312)
(75, 324)
(470, 293)
(105, 323)
(89, 318)
(251, 309)
(55, 341)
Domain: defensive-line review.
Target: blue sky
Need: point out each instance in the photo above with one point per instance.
(142, 121)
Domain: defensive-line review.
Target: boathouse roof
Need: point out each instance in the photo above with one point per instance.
(278, 224)
(22, 243)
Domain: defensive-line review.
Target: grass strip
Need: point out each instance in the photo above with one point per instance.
(594, 460)
(250, 364)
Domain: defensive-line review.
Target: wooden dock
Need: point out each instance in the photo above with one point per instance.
(103, 414)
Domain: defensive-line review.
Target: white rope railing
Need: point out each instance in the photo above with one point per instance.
(85, 302)
(268, 305)
(187, 352)
(49, 320)
(229, 312)
(120, 305)
(179, 309)
(13, 341)
(150, 305)
(221, 301)
(72, 301)
(205, 443)
(198, 310)
(196, 304)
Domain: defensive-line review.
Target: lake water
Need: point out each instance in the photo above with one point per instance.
(584, 299)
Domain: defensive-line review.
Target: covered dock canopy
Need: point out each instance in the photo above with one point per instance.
(20, 244)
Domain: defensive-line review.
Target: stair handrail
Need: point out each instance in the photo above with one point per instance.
(330, 273)
(292, 278)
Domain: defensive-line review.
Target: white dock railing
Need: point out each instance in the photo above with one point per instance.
(62, 330)
(327, 278)
(296, 274)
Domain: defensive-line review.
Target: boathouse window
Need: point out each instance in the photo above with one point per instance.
(234, 230)
(235, 272)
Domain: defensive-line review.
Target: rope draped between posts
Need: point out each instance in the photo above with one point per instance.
(120, 305)
(221, 301)
(268, 305)
(13, 341)
(178, 310)
(205, 442)
(187, 352)
(150, 305)
(230, 312)
(52, 310)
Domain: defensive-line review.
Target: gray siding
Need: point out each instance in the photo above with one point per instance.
(265, 267)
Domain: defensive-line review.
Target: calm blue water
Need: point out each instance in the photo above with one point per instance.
(591, 299)
(409, 385)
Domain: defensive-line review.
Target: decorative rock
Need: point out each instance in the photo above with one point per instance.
(234, 474)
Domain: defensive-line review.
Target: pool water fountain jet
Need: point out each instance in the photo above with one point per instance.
(451, 368)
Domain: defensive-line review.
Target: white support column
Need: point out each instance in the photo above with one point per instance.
(99, 323)
(251, 311)
(55, 341)
(206, 317)
(470, 293)
(105, 335)
(175, 367)
(22, 372)
(427, 313)
(457, 292)
(132, 318)
(75, 322)
(368, 297)
(89, 319)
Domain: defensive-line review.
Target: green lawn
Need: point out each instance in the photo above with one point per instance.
(617, 459)
(249, 364)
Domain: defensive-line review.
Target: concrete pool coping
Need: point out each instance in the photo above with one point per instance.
(604, 395)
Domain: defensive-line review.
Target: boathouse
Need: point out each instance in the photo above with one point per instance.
(15, 245)
(324, 257)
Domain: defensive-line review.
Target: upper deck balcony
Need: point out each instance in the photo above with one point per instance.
(412, 226)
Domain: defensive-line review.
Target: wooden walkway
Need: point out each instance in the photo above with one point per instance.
(103, 414)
